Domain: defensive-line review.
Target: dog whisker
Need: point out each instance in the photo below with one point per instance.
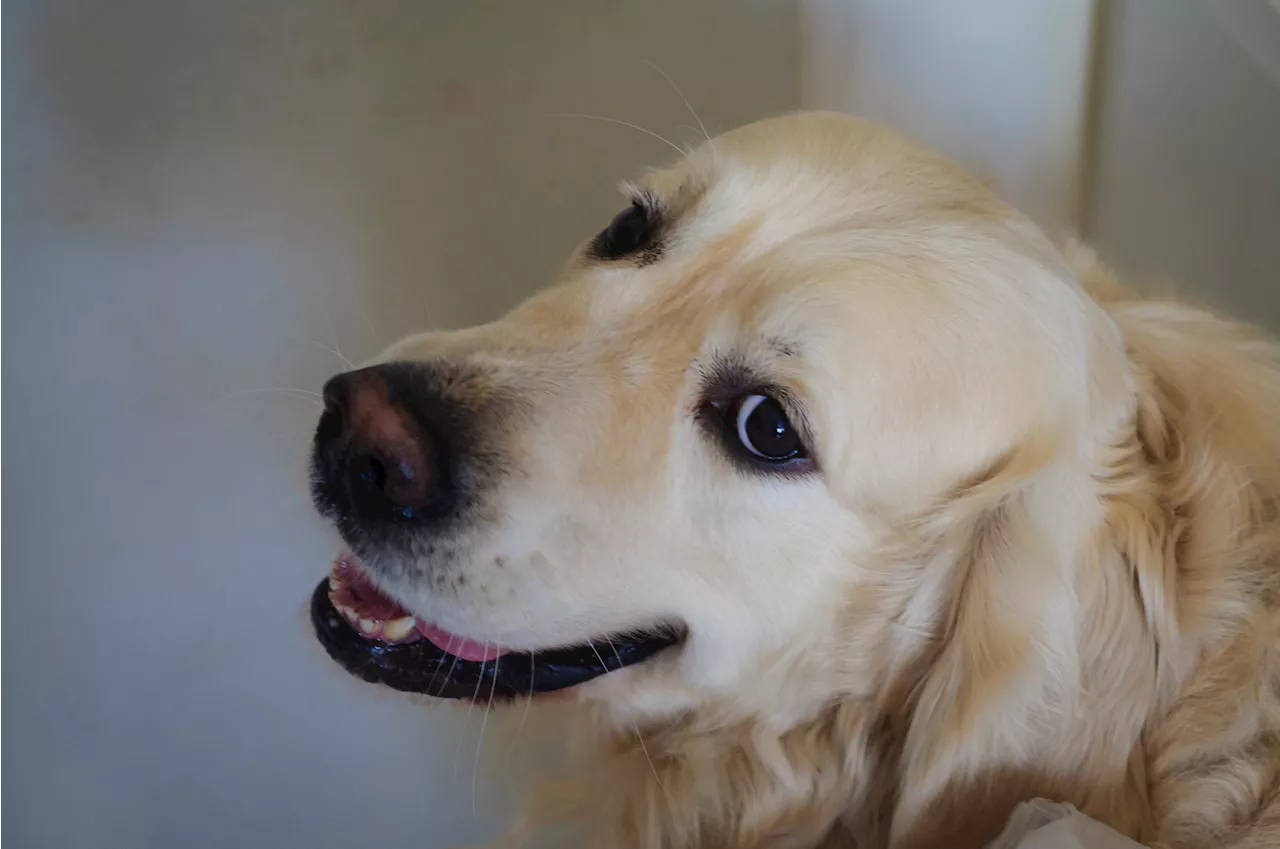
(333, 351)
(688, 105)
(448, 649)
(690, 128)
(475, 764)
(333, 336)
(528, 702)
(634, 724)
(457, 756)
(427, 320)
(377, 337)
(287, 391)
(620, 122)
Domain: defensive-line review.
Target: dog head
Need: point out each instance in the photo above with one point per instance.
(683, 463)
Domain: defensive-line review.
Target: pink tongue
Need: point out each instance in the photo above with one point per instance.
(459, 647)
(358, 593)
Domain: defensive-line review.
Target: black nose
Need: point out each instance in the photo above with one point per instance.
(373, 456)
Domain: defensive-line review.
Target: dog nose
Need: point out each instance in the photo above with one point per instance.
(374, 446)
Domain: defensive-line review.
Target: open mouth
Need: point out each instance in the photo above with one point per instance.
(374, 638)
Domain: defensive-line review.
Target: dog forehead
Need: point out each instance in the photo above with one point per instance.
(719, 260)
(759, 211)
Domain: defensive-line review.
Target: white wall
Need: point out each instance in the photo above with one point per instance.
(998, 85)
(1152, 126)
(187, 187)
(1187, 181)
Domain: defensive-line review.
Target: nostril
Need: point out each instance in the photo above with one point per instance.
(383, 483)
(371, 472)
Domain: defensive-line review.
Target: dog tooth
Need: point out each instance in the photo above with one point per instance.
(398, 629)
(335, 583)
(369, 626)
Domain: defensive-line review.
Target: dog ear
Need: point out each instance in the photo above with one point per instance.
(1006, 706)
(984, 702)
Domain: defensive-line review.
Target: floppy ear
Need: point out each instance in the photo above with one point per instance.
(1006, 711)
(978, 705)
(982, 712)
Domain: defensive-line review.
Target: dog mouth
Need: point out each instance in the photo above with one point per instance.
(373, 638)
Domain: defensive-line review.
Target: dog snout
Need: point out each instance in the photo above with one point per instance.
(374, 448)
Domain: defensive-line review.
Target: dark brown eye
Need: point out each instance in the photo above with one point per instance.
(761, 426)
(630, 231)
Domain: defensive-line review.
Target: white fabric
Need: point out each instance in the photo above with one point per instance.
(1041, 824)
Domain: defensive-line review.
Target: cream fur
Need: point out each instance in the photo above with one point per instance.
(1040, 556)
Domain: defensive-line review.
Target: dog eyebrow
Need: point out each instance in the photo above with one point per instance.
(645, 198)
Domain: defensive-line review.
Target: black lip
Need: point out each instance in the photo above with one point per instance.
(422, 667)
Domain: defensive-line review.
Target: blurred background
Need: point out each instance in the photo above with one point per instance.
(210, 205)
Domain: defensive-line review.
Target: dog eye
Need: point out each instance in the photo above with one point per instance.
(763, 429)
(631, 230)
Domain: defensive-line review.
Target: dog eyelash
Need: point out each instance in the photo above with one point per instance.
(647, 201)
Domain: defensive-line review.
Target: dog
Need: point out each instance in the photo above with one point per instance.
(849, 508)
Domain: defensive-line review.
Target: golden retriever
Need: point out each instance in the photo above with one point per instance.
(881, 512)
